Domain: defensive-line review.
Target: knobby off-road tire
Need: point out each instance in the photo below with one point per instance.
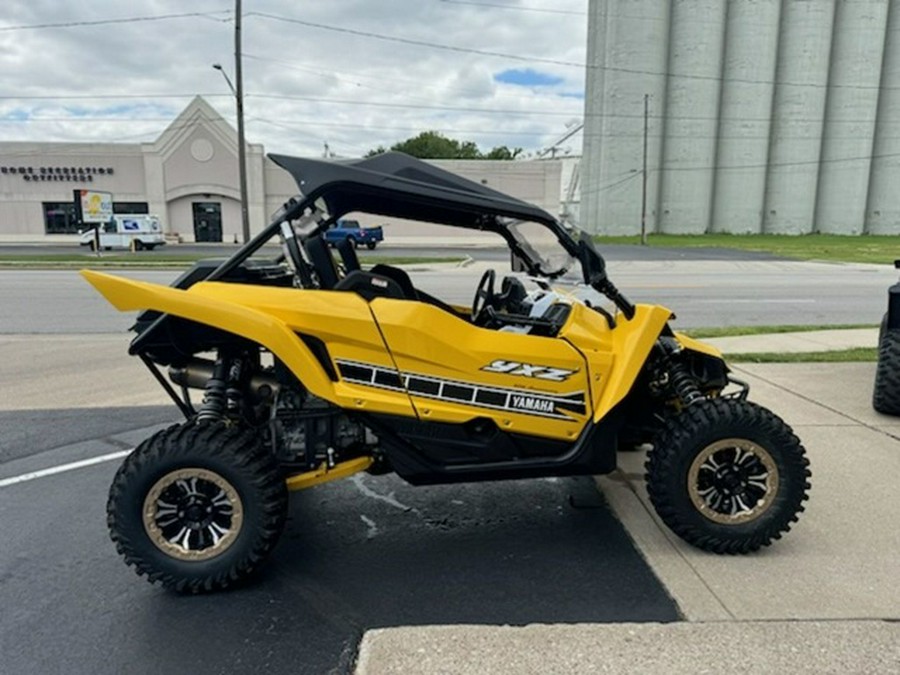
(886, 394)
(197, 507)
(727, 476)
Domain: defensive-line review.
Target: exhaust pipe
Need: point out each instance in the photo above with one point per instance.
(197, 372)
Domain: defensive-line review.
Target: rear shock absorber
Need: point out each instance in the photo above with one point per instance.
(215, 396)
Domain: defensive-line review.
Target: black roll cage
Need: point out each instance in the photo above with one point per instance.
(396, 185)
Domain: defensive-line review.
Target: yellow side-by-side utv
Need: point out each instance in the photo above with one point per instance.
(310, 367)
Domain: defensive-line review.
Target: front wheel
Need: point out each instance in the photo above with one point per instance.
(352, 241)
(886, 393)
(197, 507)
(727, 476)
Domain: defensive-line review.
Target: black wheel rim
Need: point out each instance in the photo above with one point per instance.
(733, 481)
(192, 514)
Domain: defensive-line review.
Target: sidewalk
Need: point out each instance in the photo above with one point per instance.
(810, 341)
(824, 599)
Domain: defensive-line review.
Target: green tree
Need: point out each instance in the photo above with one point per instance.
(434, 145)
(503, 152)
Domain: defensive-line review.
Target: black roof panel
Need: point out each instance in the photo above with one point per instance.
(395, 184)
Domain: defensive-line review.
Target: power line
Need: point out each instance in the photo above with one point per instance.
(380, 79)
(415, 106)
(517, 8)
(410, 41)
(105, 22)
(500, 111)
(558, 62)
(76, 97)
(492, 132)
(315, 122)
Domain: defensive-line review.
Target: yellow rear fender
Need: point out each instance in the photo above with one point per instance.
(259, 327)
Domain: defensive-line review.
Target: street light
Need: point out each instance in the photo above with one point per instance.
(238, 93)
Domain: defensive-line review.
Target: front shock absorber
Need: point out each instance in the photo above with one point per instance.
(680, 379)
(683, 383)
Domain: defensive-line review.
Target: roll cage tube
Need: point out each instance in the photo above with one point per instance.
(594, 268)
(592, 262)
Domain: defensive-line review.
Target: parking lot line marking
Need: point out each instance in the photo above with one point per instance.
(62, 468)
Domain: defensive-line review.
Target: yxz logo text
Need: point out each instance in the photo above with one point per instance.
(528, 370)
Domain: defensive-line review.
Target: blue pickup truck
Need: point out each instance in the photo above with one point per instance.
(353, 232)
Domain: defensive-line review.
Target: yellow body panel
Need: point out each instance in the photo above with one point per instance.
(697, 346)
(270, 316)
(427, 341)
(616, 356)
(419, 360)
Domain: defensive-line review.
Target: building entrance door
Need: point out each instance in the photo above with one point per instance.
(207, 221)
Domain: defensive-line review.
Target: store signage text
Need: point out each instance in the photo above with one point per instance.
(57, 173)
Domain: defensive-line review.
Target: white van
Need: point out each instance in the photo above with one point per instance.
(144, 231)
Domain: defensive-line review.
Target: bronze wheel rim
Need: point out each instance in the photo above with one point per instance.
(192, 514)
(733, 481)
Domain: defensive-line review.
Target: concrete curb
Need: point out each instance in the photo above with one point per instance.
(741, 647)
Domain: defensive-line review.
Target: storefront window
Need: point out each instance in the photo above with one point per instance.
(131, 207)
(59, 218)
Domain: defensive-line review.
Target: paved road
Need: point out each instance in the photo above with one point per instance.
(611, 252)
(700, 292)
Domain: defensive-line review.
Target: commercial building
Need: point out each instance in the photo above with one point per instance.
(774, 116)
(189, 177)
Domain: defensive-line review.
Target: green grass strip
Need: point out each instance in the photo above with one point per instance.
(863, 248)
(733, 331)
(838, 356)
(154, 260)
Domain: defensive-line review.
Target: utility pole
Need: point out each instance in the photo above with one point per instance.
(644, 174)
(239, 96)
(238, 93)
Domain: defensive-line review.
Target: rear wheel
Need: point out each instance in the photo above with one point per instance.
(886, 395)
(727, 476)
(371, 245)
(138, 245)
(197, 507)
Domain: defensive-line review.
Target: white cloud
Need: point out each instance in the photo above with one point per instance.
(304, 85)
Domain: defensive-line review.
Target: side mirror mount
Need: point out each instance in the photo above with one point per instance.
(593, 265)
(517, 263)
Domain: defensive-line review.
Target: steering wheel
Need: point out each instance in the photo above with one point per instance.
(484, 295)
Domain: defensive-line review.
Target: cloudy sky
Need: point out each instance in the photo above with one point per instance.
(353, 73)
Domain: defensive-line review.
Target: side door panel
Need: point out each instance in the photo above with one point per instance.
(456, 372)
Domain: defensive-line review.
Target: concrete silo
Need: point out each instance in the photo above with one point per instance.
(627, 52)
(798, 115)
(883, 208)
(696, 41)
(853, 84)
(776, 116)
